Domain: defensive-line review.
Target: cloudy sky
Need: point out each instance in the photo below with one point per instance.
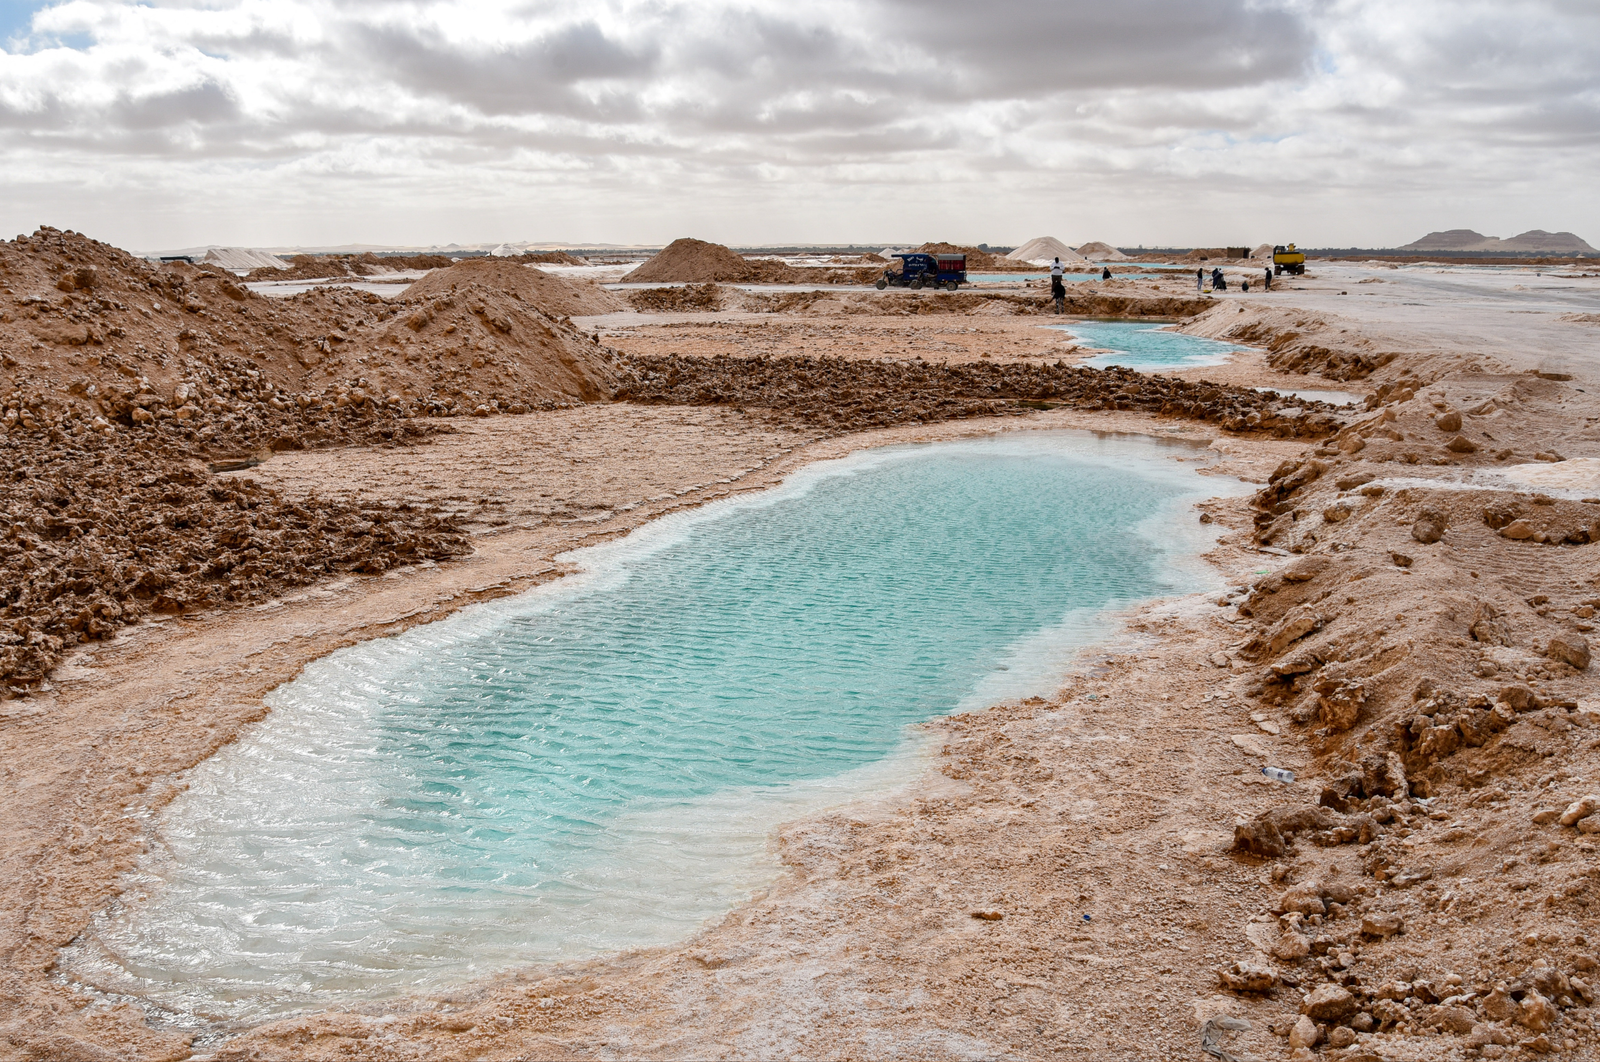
(168, 123)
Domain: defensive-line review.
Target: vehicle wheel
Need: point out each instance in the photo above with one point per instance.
(916, 284)
(1277, 270)
(952, 285)
(882, 283)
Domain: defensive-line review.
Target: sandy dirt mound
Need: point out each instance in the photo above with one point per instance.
(553, 295)
(689, 261)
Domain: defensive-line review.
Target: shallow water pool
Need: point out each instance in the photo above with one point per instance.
(1146, 345)
(598, 764)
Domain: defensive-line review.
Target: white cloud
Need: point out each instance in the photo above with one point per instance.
(1156, 121)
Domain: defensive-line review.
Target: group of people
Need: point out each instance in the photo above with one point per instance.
(1219, 282)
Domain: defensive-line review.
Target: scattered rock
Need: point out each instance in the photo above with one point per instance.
(1304, 899)
(1296, 625)
(1580, 809)
(1461, 445)
(1339, 702)
(1305, 1033)
(1247, 977)
(1458, 1020)
(1381, 924)
(1448, 421)
(1430, 526)
(1483, 1034)
(1329, 1003)
(1400, 560)
(1572, 649)
(1536, 1012)
(1498, 1004)
(1292, 945)
(988, 916)
(1269, 833)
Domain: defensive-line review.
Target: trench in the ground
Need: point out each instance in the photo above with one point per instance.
(600, 764)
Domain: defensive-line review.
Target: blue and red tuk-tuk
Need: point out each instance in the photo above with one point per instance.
(920, 270)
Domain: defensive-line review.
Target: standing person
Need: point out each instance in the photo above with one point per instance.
(1105, 272)
(1058, 287)
(1200, 280)
(1266, 281)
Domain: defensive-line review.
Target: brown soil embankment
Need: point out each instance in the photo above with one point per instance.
(851, 395)
(323, 266)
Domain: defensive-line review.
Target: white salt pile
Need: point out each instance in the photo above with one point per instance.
(1095, 251)
(242, 258)
(1042, 250)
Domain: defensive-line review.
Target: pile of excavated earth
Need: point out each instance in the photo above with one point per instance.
(689, 261)
(126, 387)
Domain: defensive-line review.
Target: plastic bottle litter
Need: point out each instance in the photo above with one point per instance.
(1278, 774)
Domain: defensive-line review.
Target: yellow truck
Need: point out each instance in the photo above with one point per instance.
(1288, 260)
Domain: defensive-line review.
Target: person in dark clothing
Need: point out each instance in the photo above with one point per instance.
(1200, 280)
(1266, 281)
(1218, 281)
(1058, 292)
(1105, 272)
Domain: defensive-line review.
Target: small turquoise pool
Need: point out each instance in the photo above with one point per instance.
(599, 764)
(1146, 345)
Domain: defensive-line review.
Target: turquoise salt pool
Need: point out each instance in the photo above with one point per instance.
(1146, 345)
(599, 764)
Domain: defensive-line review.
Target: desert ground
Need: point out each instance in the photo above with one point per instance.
(207, 487)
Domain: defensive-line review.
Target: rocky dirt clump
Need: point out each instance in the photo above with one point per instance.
(853, 394)
(98, 531)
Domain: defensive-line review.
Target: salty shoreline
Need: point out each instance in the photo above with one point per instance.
(218, 667)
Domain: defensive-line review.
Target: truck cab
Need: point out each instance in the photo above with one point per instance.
(920, 270)
(1288, 260)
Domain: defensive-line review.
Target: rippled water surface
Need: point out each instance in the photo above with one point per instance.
(1146, 345)
(599, 764)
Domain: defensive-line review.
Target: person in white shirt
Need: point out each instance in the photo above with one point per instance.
(1058, 289)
